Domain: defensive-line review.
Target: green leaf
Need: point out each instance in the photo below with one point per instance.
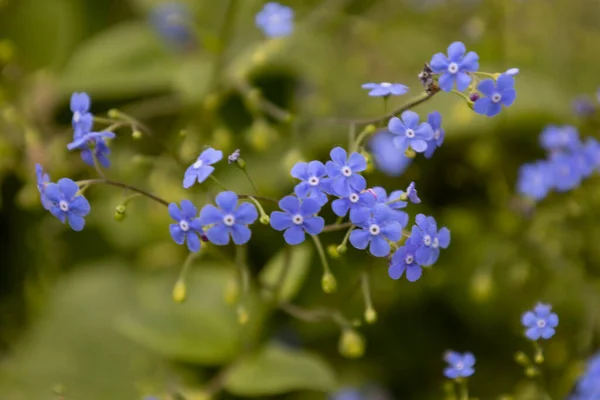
(277, 369)
(297, 261)
(192, 78)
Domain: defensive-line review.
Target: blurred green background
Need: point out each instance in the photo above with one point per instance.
(90, 314)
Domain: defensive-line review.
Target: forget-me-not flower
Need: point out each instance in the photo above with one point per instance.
(66, 204)
(92, 142)
(495, 95)
(460, 365)
(228, 219)
(558, 138)
(202, 168)
(187, 227)
(540, 323)
(565, 172)
(404, 259)
(298, 217)
(385, 89)
(80, 106)
(455, 67)
(275, 20)
(429, 240)
(43, 179)
(375, 229)
(535, 180)
(410, 133)
(434, 120)
(388, 159)
(588, 386)
(354, 202)
(315, 183)
(411, 193)
(394, 202)
(344, 172)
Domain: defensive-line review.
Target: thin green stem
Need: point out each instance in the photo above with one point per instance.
(337, 227)
(489, 75)
(215, 180)
(105, 181)
(106, 121)
(346, 237)
(186, 265)
(97, 164)
(261, 210)
(351, 134)
(464, 390)
(250, 180)
(368, 130)
(321, 252)
(461, 94)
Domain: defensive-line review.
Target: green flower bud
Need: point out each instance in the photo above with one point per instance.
(113, 113)
(332, 251)
(351, 344)
(179, 291)
(370, 315)
(539, 357)
(521, 358)
(240, 163)
(264, 219)
(120, 212)
(136, 134)
(342, 249)
(328, 283)
(530, 372)
(410, 153)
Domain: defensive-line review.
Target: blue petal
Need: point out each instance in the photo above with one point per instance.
(424, 131)
(193, 241)
(333, 170)
(413, 272)
(468, 359)
(188, 210)
(218, 234)
(52, 192)
(359, 215)
(505, 82)
(341, 187)
(211, 156)
(528, 319)
(280, 220)
(68, 188)
(80, 206)
(314, 225)
(396, 126)
(309, 207)
(300, 171)
(338, 155)
(548, 332)
(398, 89)
(393, 230)
(542, 310)
(379, 246)
(294, 235)
(357, 162)
(189, 178)
(176, 233)
(533, 333)
(58, 213)
(290, 204)
(240, 234)
(340, 207)
(320, 197)
(552, 320)
(360, 238)
(316, 168)
(209, 215)
(80, 102)
(380, 91)
(410, 119)
(453, 357)
(302, 189)
(369, 85)
(465, 373)
(444, 237)
(86, 156)
(395, 271)
(423, 255)
(76, 222)
(456, 51)
(494, 109)
(418, 145)
(204, 172)
(435, 120)
(487, 87)
(357, 182)
(227, 201)
(246, 214)
(508, 97)
(470, 62)
(196, 225)
(482, 105)
(439, 63)
(451, 373)
(402, 143)
(463, 81)
(446, 81)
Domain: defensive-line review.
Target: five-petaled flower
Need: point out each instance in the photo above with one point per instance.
(428, 239)
(394, 202)
(404, 259)
(385, 89)
(343, 172)
(228, 219)
(315, 183)
(354, 202)
(188, 227)
(43, 179)
(434, 120)
(495, 95)
(66, 204)
(540, 323)
(80, 106)
(92, 144)
(376, 227)
(565, 172)
(298, 217)
(460, 365)
(455, 67)
(410, 133)
(202, 168)
(275, 20)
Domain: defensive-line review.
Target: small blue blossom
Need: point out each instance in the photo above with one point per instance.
(173, 22)
(388, 159)
(43, 180)
(80, 106)
(460, 365)
(495, 95)
(188, 227)
(411, 193)
(434, 120)
(393, 202)
(455, 67)
(535, 180)
(512, 71)
(385, 89)
(315, 183)
(228, 220)
(92, 142)
(565, 172)
(66, 204)
(275, 20)
(299, 216)
(540, 323)
(588, 386)
(429, 240)
(410, 133)
(583, 106)
(404, 259)
(355, 202)
(375, 229)
(344, 172)
(202, 168)
(592, 148)
(233, 157)
(584, 161)
(558, 138)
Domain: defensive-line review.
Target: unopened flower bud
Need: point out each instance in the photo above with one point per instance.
(136, 134)
(328, 283)
(113, 113)
(341, 249)
(351, 344)
(264, 219)
(539, 357)
(370, 315)
(179, 291)
(332, 251)
(410, 153)
(474, 97)
(521, 358)
(120, 212)
(530, 372)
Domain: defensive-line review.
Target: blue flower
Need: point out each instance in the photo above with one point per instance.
(393, 202)
(343, 172)
(411, 193)
(584, 161)
(173, 22)
(592, 148)
(43, 180)
(355, 202)
(410, 133)
(80, 106)
(275, 20)
(385, 89)
(535, 180)
(540, 322)
(434, 120)
(404, 259)
(583, 106)
(460, 365)
(388, 159)
(92, 141)
(314, 183)
(565, 172)
(188, 227)
(202, 168)
(375, 229)
(298, 217)
(228, 219)
(588, 387)
(455, 67)
(497, 94)
(429, 240)
(66, 204)
(558, 138)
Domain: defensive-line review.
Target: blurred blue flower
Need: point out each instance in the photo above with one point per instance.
(343, 172)
(228, 220)
(388, 159)
(174, 22)
(583, 106)
(565, 172)
(411, 193)
(535, 180)
(92, 142)
(393, 202)
(455, 67)
(80, 106)
(588, 386)
(592, 148)
(347, 394)
(66, 204)
(315, 183)
(410, 133)
(584, 161)
(434, 120)
(555, 138)
(275, 20)
(299, 216)
(429, 240)
(497, 94)
(385, 89)
(188, 227)
(404, 259)
(43, 179)
(540, 322)
(354, 202)
(202, 168)
(375, 229)
(460, 365)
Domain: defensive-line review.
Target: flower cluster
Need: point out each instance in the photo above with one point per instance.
(569, 161)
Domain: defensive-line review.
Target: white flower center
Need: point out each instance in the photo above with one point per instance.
(76, 116)
(346, 171)
(313, 181)
(435, 243)
(436, 134)
(374, 229)
(385, 84)
(410, 133)
(459, 365)
(354, 198)
(409, 259)
(453, 68)
(64, 206)
(541, 323)
(427, 240)
(229, 220)
(298, 220)
(198, 164)
(496, 97)
(183, 224)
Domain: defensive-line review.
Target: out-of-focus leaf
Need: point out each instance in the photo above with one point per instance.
(277, 369)
(297, 261)
(192, 78)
